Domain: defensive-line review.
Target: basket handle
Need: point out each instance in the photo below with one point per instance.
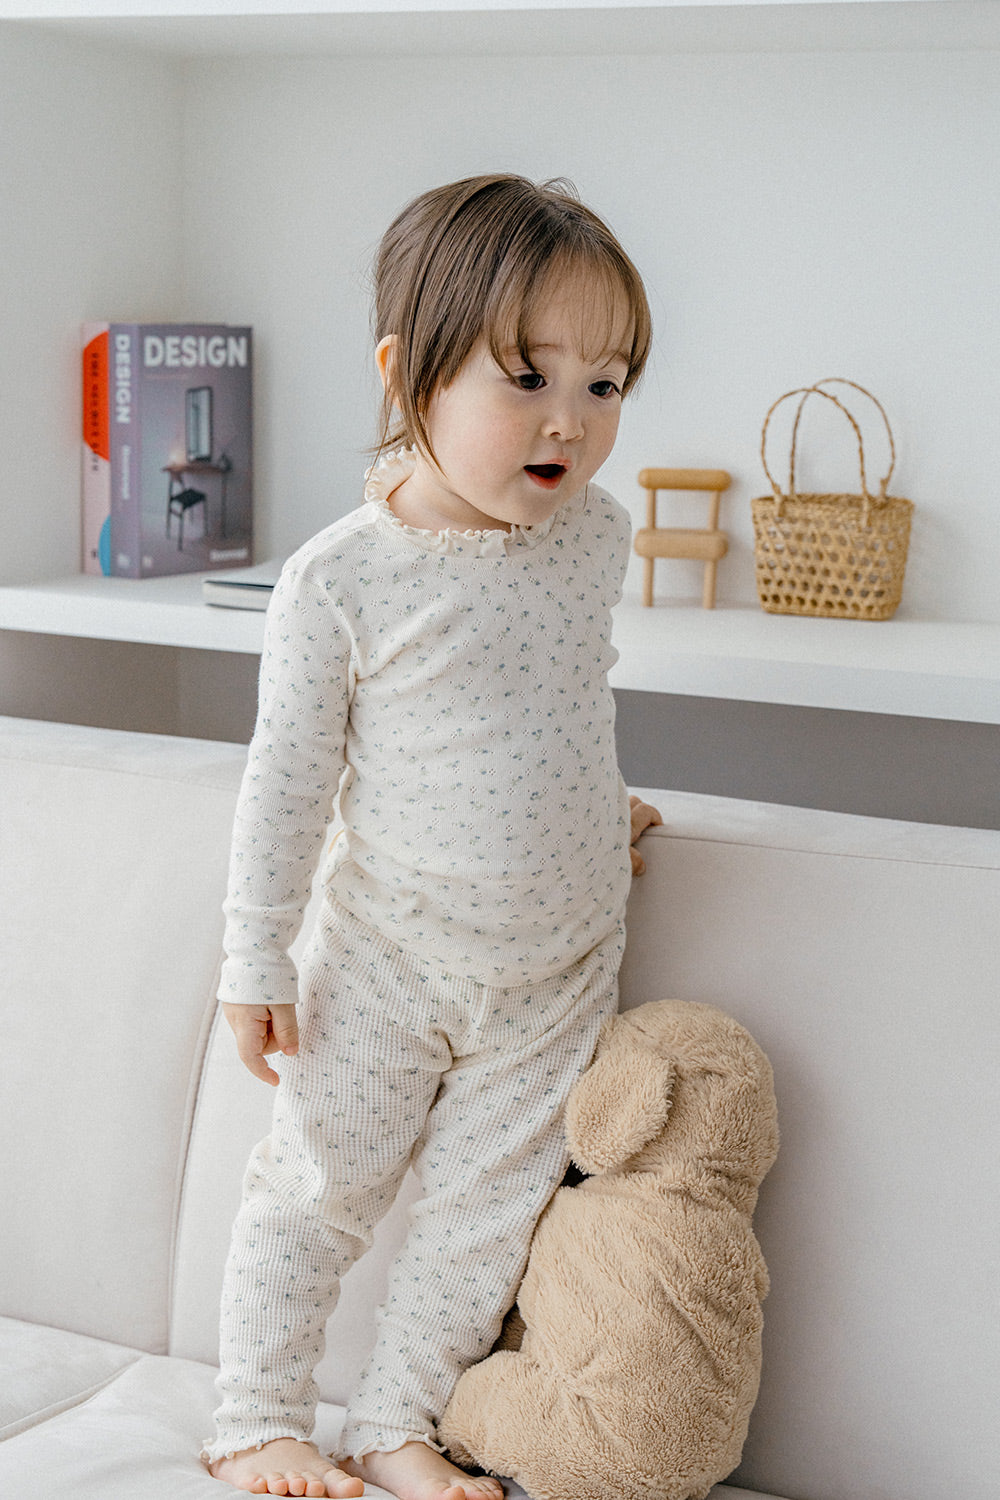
(805, 392)
(883, 484)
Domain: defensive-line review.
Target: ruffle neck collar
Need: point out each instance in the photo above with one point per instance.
(389, 473)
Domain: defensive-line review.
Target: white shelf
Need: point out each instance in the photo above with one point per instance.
(150, 611)
(934, 670)
(344, 28)
(911, 667)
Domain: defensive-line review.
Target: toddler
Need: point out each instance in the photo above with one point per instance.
(435, 666)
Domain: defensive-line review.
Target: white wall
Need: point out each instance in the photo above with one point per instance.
(90, 202)
(795, 216)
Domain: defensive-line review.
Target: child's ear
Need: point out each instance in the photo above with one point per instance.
(385, 353)
(618, 1106)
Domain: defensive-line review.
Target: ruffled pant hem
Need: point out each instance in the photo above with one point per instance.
(389, 1443)
(214, 1451)
(384, 1442)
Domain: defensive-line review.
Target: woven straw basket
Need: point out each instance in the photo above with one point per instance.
(841, 556)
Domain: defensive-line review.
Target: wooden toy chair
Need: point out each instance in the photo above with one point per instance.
(707, 544)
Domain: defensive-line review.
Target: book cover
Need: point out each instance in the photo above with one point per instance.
(167, 445)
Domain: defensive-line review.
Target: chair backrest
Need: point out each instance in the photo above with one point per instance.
(706, 544)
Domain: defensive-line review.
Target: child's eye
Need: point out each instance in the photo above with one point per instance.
(529, 380)
(604, 389)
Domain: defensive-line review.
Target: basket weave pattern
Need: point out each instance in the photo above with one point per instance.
(834, 555)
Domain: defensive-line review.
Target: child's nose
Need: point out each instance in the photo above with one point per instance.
(565, 422)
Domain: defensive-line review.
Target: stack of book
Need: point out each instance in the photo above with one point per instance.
(244, 588)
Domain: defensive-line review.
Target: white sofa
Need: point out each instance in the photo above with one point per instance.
(862, 954)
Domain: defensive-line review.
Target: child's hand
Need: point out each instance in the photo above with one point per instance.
(643, 817)
(260, 1029)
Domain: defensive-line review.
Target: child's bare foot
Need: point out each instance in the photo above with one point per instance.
(416, 1472)
(286, 1467)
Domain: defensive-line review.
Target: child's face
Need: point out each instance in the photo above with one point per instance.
(512, 448)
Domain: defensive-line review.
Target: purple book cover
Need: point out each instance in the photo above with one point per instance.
(167, 445)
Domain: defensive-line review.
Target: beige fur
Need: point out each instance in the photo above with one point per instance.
(640, 1358)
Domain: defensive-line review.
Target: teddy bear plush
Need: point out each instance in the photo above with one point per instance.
(640, 1310)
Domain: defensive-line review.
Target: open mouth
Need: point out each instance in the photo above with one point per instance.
(548, 475)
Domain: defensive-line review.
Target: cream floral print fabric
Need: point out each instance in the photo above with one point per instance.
(454, 688)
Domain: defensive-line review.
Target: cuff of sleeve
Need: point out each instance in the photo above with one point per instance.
(256, 982)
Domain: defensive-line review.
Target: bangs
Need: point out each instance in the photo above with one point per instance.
(614, 316)
(611, 322)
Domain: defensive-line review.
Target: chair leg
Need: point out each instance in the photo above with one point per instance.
(708, 586)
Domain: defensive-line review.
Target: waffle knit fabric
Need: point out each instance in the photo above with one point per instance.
(448, 694)
(398, 1066)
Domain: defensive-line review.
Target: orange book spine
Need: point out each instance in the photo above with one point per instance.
(96, 476)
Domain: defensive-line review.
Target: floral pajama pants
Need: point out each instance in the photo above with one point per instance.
(398, 1066)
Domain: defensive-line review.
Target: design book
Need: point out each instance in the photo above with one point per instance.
(167, 481)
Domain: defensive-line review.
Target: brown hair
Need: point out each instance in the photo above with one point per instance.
(474, 259)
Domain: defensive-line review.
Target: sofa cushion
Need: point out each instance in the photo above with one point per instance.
(861, 953)
(139, 1437)
(136, 1439)
(44, 1370)
(113, 855)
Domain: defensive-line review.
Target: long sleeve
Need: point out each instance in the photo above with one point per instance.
(294, 767)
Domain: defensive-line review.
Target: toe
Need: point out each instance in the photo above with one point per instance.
(343, 1486)
(277, 1484)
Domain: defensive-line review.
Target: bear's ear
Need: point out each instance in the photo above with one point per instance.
(618, 1106)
